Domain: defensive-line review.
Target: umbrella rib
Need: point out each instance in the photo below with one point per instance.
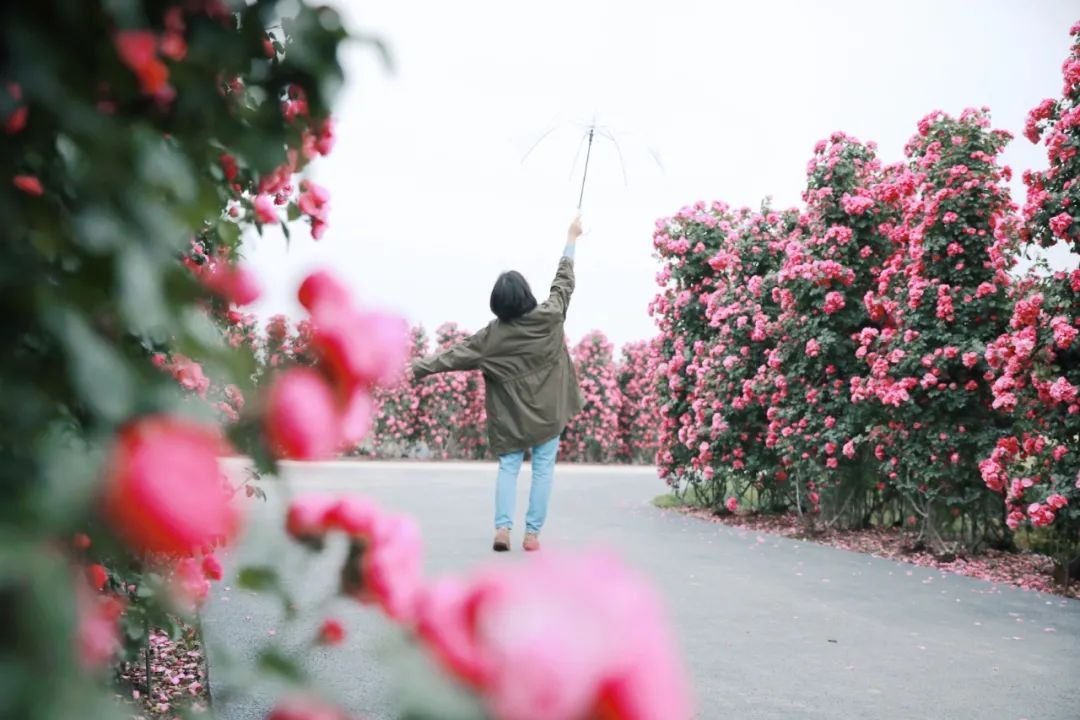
(622, 165)
(541, 139)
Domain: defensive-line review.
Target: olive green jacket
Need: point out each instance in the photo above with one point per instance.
(530, 387)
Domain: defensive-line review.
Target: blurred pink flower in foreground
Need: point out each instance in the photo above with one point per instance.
(96, 635)
(304, 708)
(163, 490)
(301, 417)
(385, 557)
(548, 639)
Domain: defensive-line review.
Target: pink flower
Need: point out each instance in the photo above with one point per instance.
(301, 419)
(326, 137)
(97, 576)
(361, 348)
(1061, 390)
(314, 199)
(332, 632)
(189, 374)
(732, 504)
(307, 519)
(546, 640)
(138, 50)
(812, 348)
(28, 184)
(211, 568)
(358, 417)
(856, 204)
(1056, 501)
(228, 166)
(97, 636)
(390, 568)
(304, 708)
(834, 302)
(264, 209)
(1064, 333)
(321, 292)
(189, 585)
(236, 285)
(163, 489)
(1041, 515)
(1059, 225)
(16, 121)
(970, 359)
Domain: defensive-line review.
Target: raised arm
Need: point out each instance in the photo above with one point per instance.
(562, 287)
(466, 355)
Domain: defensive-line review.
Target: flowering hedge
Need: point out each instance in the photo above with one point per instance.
(593, 434)
(1035, 361)
(639, 413)
(443, 417)
(139, 142)
(871, 358)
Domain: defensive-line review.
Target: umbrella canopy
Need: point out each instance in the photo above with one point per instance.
(593, 149)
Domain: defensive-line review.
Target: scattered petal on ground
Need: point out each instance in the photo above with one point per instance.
(1028, 571)
(178, 679)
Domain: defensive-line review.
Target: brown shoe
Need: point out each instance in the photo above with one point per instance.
(531, 543)
(502, 540)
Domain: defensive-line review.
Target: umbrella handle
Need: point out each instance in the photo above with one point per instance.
(585, 174)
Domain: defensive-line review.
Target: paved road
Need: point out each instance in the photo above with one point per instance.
(770, 628)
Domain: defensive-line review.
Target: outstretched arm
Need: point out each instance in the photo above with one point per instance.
(466, 355)
(563, 285)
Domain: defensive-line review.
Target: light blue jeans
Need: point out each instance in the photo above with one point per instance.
(543, 470)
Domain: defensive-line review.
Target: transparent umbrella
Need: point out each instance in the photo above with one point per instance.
(624, 149)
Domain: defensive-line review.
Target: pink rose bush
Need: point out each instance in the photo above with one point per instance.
(718, 315)
(639, 415)
(831, 258)
(450, 415)
(872, 357)
(1034, 363)
(593, 435)
(943, 295)
(443, 416)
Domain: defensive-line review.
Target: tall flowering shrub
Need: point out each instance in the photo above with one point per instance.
(1036, 361)
(684, 244)
(397, 409)
(593, 435)
(727, 370)
(639, 413)
(450, 406)
(831, 260)
(941, 299)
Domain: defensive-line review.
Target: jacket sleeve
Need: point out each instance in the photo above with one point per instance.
(562, 287)
(466, 355)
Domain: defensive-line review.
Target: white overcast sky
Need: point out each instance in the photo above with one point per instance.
(430, 199)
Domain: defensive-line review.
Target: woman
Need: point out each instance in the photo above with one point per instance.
(530, 387)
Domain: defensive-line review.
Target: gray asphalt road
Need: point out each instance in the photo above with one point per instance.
(770, 628)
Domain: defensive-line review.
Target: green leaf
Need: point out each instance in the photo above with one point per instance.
(228, 233)
(98, 371)
(141, 298)
(257, 578)
(273, 662)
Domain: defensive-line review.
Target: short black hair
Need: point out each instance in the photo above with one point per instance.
(511, 297)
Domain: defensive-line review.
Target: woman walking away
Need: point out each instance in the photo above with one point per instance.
(530, 387)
